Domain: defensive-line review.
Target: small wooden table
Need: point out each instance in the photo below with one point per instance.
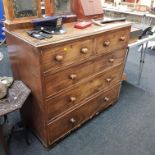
(17, 95)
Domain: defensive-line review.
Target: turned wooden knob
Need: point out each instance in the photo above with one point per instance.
(84, 50)
(72, 99)
(106, 99)
(106, 43)
(73, 76)
(72, 120)
(122, 38)
(108, 80)
(111, 60)
(59, 58)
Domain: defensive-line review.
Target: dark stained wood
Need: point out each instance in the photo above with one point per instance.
(66, 54)
(94, 83)
(78, 116)
(55, 83)
(68, 75)
(25, 62)
(72, 34)
(23, 24)
(49, 7)
(74, 96)
(111, 41)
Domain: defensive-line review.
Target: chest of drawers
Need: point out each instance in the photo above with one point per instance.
(73, 77)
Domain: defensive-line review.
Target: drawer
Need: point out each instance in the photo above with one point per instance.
(64, 125)
(63, 79)
(73, 97)
(66, 54)
(112, 40)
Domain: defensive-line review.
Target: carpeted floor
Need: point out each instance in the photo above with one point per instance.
(148, 76)
(128, 128)
(5, 69)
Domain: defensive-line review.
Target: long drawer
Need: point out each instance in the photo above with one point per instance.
(53, 58)
(62, 126)
(112, 40)
(73, 97)
(59, 81)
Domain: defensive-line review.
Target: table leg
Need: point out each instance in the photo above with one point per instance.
(25, 128)
(2, 141)
(142, 61)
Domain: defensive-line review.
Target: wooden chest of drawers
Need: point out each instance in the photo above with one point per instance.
(73, 77)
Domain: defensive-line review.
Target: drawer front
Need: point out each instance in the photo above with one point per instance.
(66, 54)
(112, 40)
(60, 127)
(73, 97)
(63, 79)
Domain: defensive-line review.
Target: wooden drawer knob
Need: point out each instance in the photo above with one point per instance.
(109, 80)
(59, 58)
(72, 120)
(106, 43)
(111, 60)
(84, 50)
(73, 76)
(72, 99)
(106, 99)
(122, 38)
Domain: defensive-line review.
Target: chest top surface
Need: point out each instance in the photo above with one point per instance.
(72, 33)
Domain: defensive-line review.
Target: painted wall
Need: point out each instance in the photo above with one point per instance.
(145, 2)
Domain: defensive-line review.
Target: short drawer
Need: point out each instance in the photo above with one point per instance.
(73, 97)
(64, 125)
(59, 81)
(112, 40)
(66, 54)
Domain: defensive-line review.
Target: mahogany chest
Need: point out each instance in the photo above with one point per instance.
(73, 77)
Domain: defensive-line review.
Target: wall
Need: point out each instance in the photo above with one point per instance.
(145, 2)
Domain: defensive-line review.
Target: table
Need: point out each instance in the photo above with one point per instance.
(17, 95)
(131, 15)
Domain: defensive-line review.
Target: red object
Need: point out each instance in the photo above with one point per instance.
(82, 25)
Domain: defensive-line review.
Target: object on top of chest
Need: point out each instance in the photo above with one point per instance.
(88, 9)
(19, 13)
(46, 27)
(21, 9)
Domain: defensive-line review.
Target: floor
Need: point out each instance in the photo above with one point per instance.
(128, 128)
(148, 76)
